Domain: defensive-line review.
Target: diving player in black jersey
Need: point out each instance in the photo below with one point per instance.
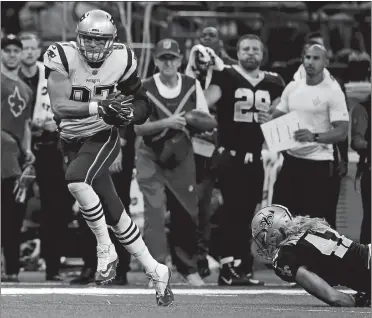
(309, 252)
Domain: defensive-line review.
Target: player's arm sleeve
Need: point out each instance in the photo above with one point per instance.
(286, 264)
(131, 84)
(201, 102)
(320, 289)
(55, 59)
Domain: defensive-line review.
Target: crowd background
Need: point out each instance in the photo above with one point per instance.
(283, 26)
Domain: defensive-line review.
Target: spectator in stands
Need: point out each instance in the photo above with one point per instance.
(49, 160)
(16, 154)
(121, 173)
(10, 23)
(243, 95)
(304, 184)
(47, 18)
(361, 143)
(166, 166)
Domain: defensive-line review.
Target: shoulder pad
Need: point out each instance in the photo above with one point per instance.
(126, 59)
(55, 57)
(68, 44)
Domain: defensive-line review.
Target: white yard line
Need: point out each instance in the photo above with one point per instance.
(102, 291)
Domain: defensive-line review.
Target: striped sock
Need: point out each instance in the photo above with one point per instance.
(130, 237)
(93, 215)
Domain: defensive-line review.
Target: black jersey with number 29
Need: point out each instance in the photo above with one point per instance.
(241, 100)
(334, 258)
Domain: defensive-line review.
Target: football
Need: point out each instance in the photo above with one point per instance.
(200, 121)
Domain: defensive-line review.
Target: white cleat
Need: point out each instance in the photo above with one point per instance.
(106, 265)
(161, 278)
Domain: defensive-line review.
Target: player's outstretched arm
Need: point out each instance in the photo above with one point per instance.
(319, 288)
(59, 89)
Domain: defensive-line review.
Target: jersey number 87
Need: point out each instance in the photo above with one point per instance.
(84, 94)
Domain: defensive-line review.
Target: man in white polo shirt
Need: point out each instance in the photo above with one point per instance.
(304, 184)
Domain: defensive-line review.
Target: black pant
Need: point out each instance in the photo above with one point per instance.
(11, 222)
(305, 186)
(122, 182)
(204, 193)
(181, 236)
(365, 235)
(331, 214)
(241, 187)
(56, 203)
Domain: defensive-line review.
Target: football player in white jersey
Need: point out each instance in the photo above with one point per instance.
(94, 89)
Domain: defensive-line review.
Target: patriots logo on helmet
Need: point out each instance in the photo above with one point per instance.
(51, 54)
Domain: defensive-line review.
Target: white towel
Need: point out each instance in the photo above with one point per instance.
(301, 73)
(206, 57)
(43, 115)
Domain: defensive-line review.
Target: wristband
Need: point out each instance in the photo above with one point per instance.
(316, 137)
(93, 108)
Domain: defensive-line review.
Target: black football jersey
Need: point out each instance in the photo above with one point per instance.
(335, 258)
(237, 109)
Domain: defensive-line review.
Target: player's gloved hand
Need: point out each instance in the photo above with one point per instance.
(116, 109)
(362, 299)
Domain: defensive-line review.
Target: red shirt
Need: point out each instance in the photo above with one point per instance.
(16, 100)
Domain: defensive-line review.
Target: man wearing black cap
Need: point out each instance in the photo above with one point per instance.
(165, 164)
(16, 99)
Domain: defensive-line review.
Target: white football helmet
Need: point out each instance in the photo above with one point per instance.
(96, 25)
(267, 231)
